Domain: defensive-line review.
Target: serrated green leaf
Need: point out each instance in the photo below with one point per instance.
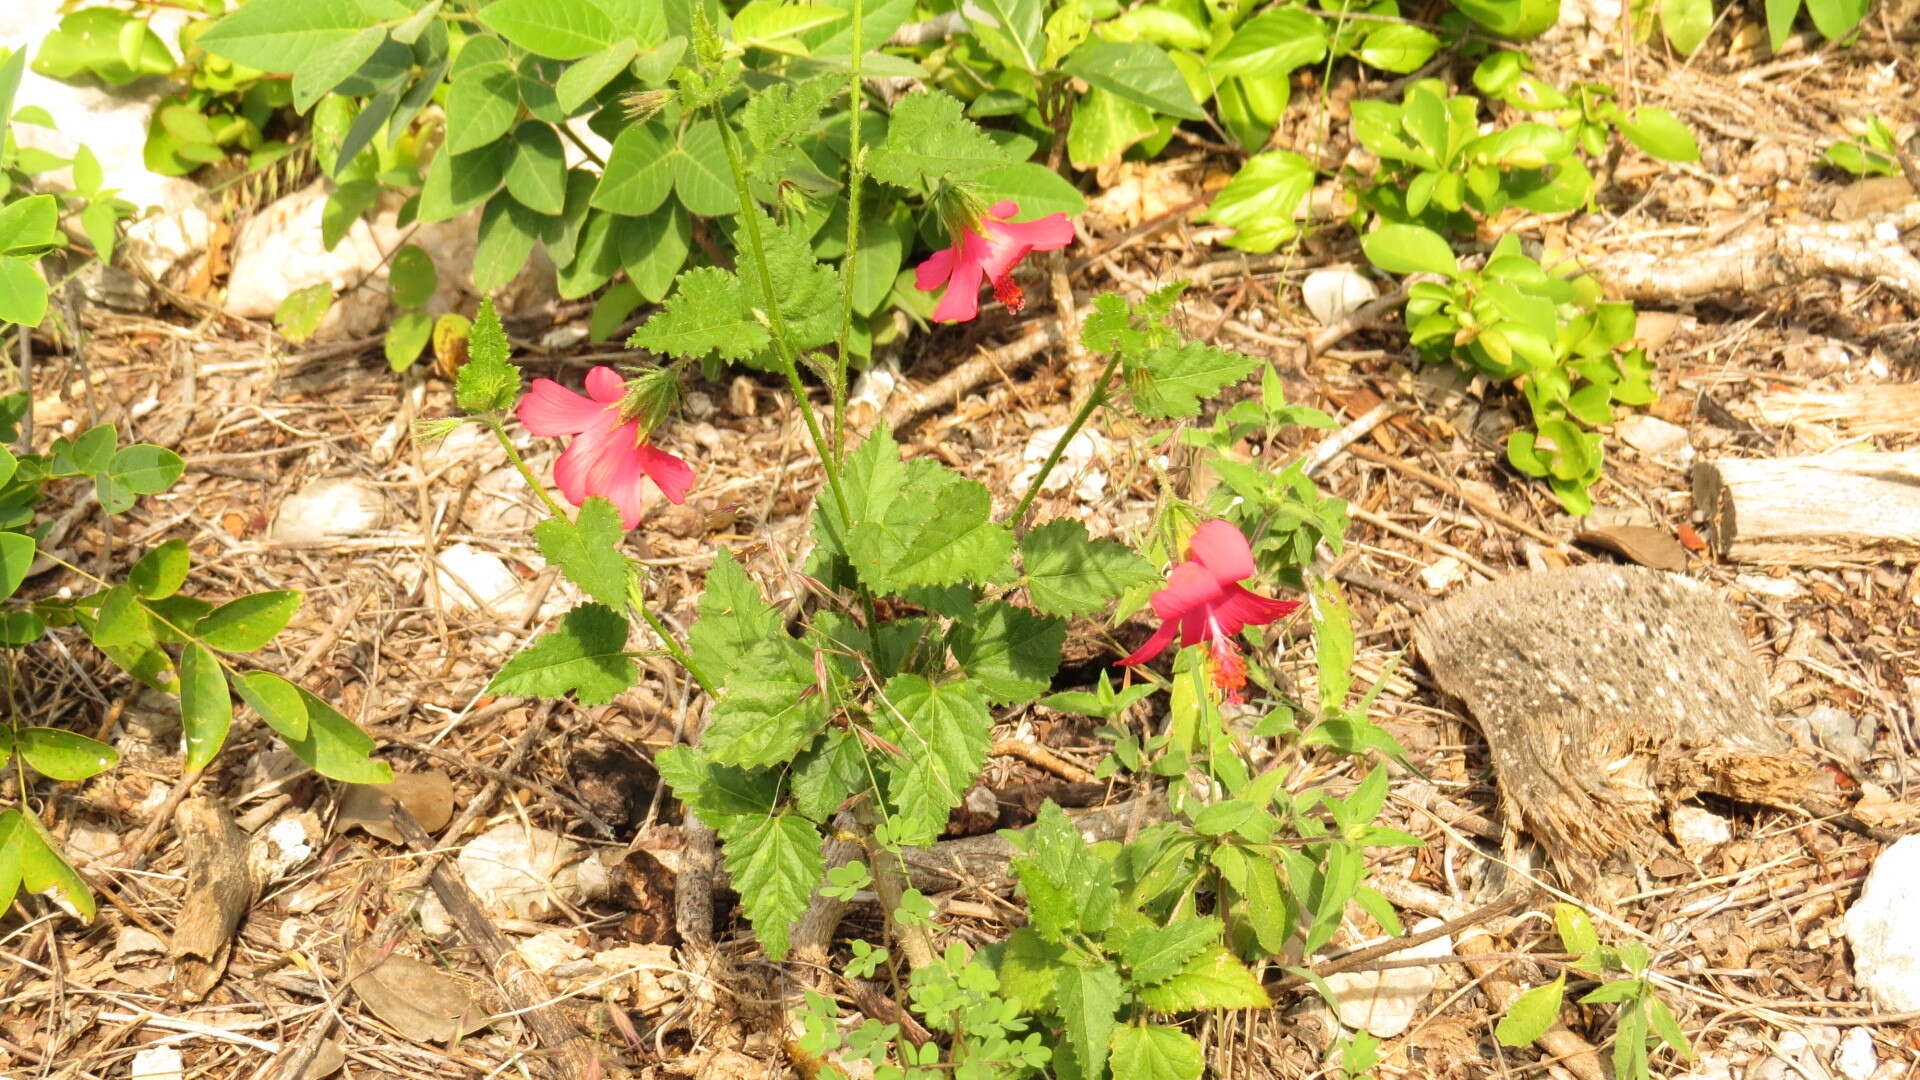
(869, 479)
(1213, 979)
(1088, 1001)
(1069, 574)
(276, 700)
(248, 623)
(777, 118)
(335, 747)
(941, 732)
(1070, 890)
(826, 774)
(807, 293)
(206, 709)
(487, 381)
(586, 551)
(733, 619)
(720, 794)
(709, 314)
(586, 655)
(1531, 1014)
(772, 709)
(1181, 378)
(1012, 652)
(63, 755)
(929, 140)
(1153, 1052)
(1029, 969)
(933, 530)
(775, 864)
(1157, 953)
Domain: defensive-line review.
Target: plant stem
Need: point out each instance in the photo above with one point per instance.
(856, 171)
(1094, 399)
(500, 432)
(777, 322)
(638, 603)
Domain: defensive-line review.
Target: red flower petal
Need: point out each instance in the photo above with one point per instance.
(1189, 588)
(551, 409)
(1154, 646)
(672, 474)
(605, 384)
(934, 273)
(1238, 609)
(1220, 548)
(589, 464)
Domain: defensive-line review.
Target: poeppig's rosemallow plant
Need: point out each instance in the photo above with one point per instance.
(867, 713)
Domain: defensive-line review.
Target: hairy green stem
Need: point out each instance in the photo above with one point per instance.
(500, 432)
(1094, 399)
(856, 171)
(777, 322)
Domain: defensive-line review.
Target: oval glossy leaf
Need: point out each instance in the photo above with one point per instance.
(1408, 249)
(1139, 71)
(160, 572)
(481, 105)
(64, 755)
(120, 621)
(21, 627)
(28, 860)
(584, 79)
(276, 700)
(412, 277)
(16, 555)
(407, 338)
(1512, 18)
(146, 469)
(537, 174)
(335, 748)
(1660, 134)
(700, 176)
(1272, 43)
(639, 173)
(284, 35)
(561, 29)
(206, 709)
(248, 623)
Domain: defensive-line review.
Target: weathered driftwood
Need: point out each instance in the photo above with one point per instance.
(220, 890)
(1840, 509)
(1607, 694)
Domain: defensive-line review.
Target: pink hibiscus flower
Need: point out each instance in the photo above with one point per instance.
(1204, 602)
(989, 250)
(608, 456)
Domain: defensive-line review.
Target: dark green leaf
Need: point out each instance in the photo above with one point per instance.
(586, 655)
(248, 623)
(278, 702)
(537, 175)
(335, 748)
(639, 172)
(1213, 979)
(772, 709)
(16, 555)
(1088, 1000)
(941, 733)
(733, 619)
(206, 709)
(1069, 574)
(928, 140)
(1011, 651)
